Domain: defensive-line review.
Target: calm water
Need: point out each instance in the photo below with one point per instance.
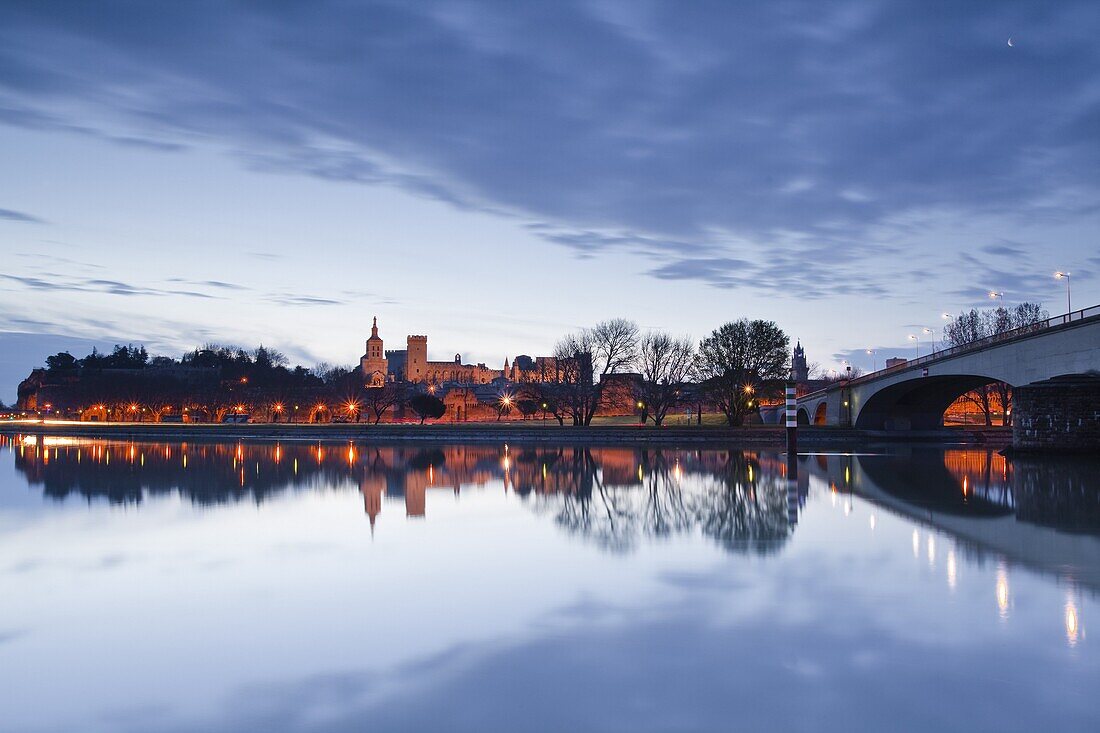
(259, 587)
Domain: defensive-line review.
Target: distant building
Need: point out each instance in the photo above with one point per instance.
(800, 374)
(411, 364)
(895, 361)
(800, 370)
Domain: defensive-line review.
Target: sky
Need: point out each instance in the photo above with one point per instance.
(495, 175)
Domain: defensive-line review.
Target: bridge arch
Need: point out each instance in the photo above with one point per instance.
(821, 413)
(916, 404)
(803, 416)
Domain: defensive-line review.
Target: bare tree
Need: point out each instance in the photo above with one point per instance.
(976, 325)
(665, 363)
(378, 400)
(584, 359)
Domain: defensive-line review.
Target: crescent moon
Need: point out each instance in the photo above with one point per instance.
(1010, 43)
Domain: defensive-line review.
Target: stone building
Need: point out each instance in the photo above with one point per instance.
(411, 364)
(373, 363)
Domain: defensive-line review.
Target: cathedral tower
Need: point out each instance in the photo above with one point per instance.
(800, 371)
(373, 363)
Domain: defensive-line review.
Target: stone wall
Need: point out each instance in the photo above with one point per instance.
(1060, 415)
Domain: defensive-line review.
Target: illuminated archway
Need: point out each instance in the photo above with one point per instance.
(916, 404)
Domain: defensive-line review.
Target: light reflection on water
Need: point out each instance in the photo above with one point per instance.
(297, 586)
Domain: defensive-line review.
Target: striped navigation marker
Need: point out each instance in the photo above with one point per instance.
(792, 454)
(792, 419)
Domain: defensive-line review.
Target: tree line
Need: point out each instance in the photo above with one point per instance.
(731, 369)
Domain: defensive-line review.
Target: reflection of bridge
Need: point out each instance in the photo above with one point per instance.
(1042, 515)
(914, 395)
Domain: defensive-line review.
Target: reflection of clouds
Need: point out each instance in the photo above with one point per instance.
(672, 667)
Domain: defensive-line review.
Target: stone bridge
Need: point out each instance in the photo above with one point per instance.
(915, 395)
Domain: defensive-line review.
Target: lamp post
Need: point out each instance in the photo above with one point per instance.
(997, 295)
(931, 340)
(947, 317)
(1065, 276)
(916, 345)
(874, 359)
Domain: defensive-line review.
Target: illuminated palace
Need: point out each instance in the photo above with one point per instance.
(411, 365)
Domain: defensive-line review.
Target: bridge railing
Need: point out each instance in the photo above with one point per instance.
(1052, 322)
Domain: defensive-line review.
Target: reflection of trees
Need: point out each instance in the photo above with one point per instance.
(742, 514)
(729, 497)
(227, 472)
(215, 473)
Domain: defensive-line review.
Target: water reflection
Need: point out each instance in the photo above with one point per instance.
(1002, 590)
(613, 496)
(1072, 622)
(604, 574)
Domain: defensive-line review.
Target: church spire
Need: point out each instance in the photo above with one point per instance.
(374, 328)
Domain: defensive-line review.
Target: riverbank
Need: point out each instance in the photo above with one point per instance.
(515, 432)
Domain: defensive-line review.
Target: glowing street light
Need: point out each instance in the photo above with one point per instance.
(916, 345)
(931, 340)
(874, 359)
(1065, 276)
(996, 294)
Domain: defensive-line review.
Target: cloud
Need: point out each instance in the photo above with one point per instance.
(691, 135)
(217, 284)
(301, 300)
(11, 635)
(60, 283)
(1004, 249)
(10, 215)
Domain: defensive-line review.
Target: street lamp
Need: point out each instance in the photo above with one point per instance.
(995, 294)
(1065, 276)
(874, 359)
(916, 345)
(931, 340)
